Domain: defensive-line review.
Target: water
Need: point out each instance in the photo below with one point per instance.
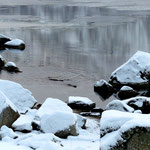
(78, 42)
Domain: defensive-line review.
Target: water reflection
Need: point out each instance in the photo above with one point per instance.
(97, 41)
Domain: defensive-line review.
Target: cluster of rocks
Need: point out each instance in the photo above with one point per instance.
(129, 80)
(85, 106)
(54, 119)
(126, 124)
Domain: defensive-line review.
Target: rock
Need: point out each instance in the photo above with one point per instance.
(15, 44)
(91, 114)
(127, 92)
(2, 62)
(7, 132)
(103, 89)
(52, 105)
(134, 73)
(3, 40)
(60, 123)
(81, 121)
(81, 103)
(11, 67)
(24, 122)
(123, 130)
(20, 97)
(97, 109)
(119, 105)
(8, 111)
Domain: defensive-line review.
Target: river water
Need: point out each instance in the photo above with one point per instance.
(79, 43)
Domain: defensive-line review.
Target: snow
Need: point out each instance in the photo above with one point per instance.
(101, 82)
(114, 123)
(5, 102)
(10, 64)
(24, 122)
(79, 100)
(15, 42)
(130, 71)
(7, 132)
(20, 97)
(52, 105)
(57, 121)
(126, 88)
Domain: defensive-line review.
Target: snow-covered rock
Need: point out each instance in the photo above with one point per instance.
(24, 122)
(20, 97)
(15, 43)
(11, 67)
(81, 121)
(2, 62)
(127, 92)
(7, 132)
(60, 123)
(103, 89)
(82, 103)
(119, 105)
(133, 72)
(124, 130)
(8, 111)
(52, 105)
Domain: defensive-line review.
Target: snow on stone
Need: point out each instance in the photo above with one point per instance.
(24, 122)
(7, 132)
(117, 123)
(119, 105)
(126, 88)
(39, 140)
(57, 121)
(79, 100)
(130, 71)
(81, 121)
(20, 97)
(101, 82)
(10, 64)
(14, 42)
(51, 105)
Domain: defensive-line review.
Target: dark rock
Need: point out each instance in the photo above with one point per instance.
(11, 67)
(2, 62)
(90, 114)
(126, 92)
(3, 40)
(81, 103)
(97, 109)
(103, 89)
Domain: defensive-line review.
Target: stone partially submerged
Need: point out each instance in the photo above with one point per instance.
(11, 67)
(20, 97)
(3, 40)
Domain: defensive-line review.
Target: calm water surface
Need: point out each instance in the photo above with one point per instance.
(89, 40)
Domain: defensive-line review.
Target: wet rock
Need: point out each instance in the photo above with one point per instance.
(8, 111)
(3, 40)
(134, 73)
(81, 103)
(103, 89)
(2, 62)
(15, 44)
(127, 92)
(11, 67)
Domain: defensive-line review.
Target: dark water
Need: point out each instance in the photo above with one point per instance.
(91, 40)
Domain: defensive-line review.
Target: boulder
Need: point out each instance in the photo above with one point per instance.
(20, 97)
(8, 111)
(103, 89)
(11, 67)
(126, 92)
(60, 123)
(134, 73)
(81, 121)
(57, 118)
(81, 103)
(123, 130)
(15, 44)
(3, 40)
